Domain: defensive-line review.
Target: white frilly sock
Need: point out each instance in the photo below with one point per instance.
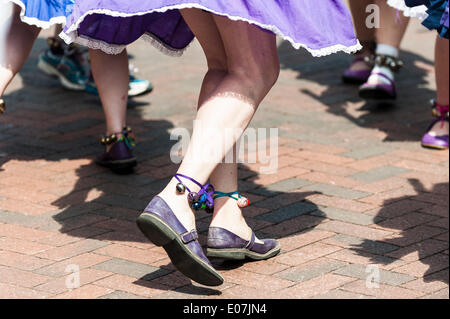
(384, 49)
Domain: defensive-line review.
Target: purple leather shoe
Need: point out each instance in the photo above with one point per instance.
(436, 142)
(120, 155)
(162, 227)
(226, 245)
(380, 91)
(356, 76)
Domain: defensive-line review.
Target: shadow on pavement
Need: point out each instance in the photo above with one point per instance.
(414, 231)
(404, 120)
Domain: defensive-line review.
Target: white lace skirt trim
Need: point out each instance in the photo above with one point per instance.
(71, 35)
(419, 12)
(34, 21)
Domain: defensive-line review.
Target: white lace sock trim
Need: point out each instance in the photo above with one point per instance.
(34, 21)
(419, 12)
(71, 35)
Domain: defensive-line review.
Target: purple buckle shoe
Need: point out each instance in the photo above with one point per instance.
(440, 141)
(379, 91)
(226, 245)
(120, 156)
(160, 225)
(356, 76)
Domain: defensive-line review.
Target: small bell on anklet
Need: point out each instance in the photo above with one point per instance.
(193, 197)
(196, 206)
(243, 202)
(181, 188)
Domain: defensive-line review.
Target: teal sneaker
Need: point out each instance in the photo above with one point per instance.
(136, 87)
(64, 64)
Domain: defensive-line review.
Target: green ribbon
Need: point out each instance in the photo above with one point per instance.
(221, 194)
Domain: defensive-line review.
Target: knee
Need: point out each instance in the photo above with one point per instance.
(217, 65)
(261, 76)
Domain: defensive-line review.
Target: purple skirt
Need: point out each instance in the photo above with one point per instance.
(322, 27)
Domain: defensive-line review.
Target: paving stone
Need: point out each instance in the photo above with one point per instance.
(336, 191)
(381, 291)
(361, 153)
(288, 212)
(132, 269)
(379, 173)
(120, 295)
(371, 246)
(385, 277)
(280, 187)
(345, 216)
(311, 270)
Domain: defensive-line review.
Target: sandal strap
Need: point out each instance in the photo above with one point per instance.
(189, 236)
(441, 111)
(384, 76)
(251, 242)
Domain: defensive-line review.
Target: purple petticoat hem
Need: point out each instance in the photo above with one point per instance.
(111, 30)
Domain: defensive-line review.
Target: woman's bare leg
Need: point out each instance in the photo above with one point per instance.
(251, 70)
(364, 34)
(442, 70)
(110, 73)
(389, 35)
(19, 40)
(393, 25)
(441, 66)
(224, 178)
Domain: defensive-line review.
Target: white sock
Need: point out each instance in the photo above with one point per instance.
(384, 49)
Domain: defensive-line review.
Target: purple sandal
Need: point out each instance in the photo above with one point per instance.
(226, 245)
(120, 156)
(379, 91)
(356, 76)
(440, 141)
(162, 227)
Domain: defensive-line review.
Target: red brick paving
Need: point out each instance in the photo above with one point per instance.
(57, 209)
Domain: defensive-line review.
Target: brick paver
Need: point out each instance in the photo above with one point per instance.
(355, 200)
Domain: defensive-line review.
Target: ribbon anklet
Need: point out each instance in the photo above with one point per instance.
(201, 200)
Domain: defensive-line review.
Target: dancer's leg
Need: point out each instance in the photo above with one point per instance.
(393, 25)
(111, 77)
(389, 36)
(441, 65)
(364, 34)
(224, 177)
(19, 40)
(252, 69)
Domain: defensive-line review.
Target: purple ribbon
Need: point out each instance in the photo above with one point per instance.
(206, 189)
(443, 110)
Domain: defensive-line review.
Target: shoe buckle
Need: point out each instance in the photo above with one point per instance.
(189, 236)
